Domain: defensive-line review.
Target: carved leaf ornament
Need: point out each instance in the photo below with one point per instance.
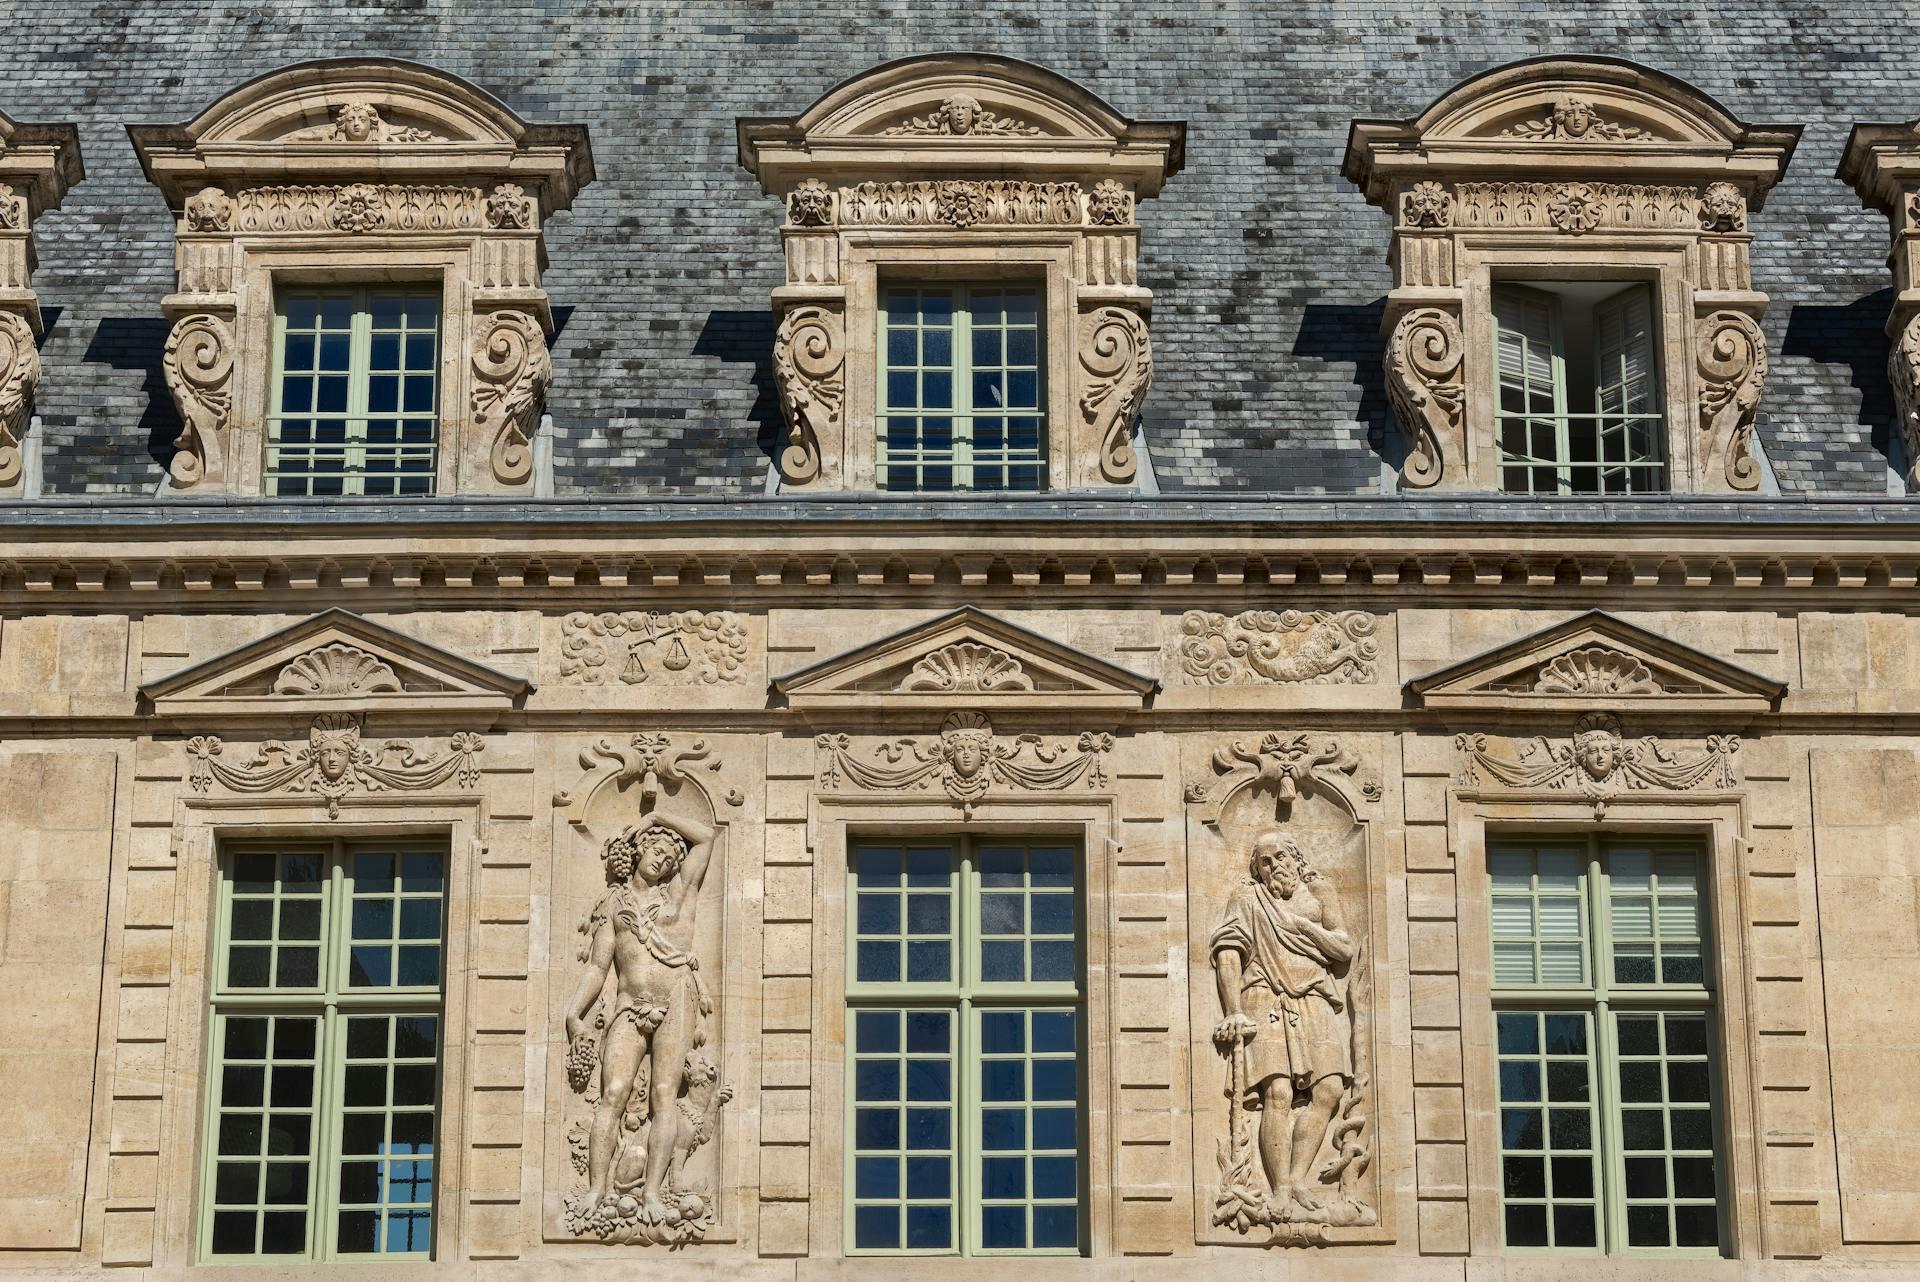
(1279, 647)
(1732, 355)
(198, 364)
(1426, 388)
(19, 376)
(512, 370)
(808, 360)
(1117, 354)
(966, 759)
(334, 763)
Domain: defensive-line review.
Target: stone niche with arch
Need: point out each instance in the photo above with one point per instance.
(1580, 170)
(356, 171)
(961, 167)
(1291, 1135)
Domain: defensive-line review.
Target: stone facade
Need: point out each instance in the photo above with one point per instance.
(1282, 735)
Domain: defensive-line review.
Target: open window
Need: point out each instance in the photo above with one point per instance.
(1573, 311)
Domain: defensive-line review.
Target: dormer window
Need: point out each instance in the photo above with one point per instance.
(1572, 310)
(353, 219)
(961, 310)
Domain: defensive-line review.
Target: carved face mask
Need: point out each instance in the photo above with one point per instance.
(1575, 119)
(967, 753)
(334, 758)
(356, 123)
(1597, 755)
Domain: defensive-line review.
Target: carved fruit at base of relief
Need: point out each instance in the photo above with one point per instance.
(637, 646)
(1279, 647)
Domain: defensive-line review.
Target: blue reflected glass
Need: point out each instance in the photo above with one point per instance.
(929, 1079)
(1566, 1034)
(1055, 1177)
(1002, 962)
(928, 868)
(900, 347)
(1052, 914)
(876, 1227)
(929, 1228)
(1519, 1034)
(929, 914)
(1053, 960)
(1054, 1079)
(929, 1128)
(1003, 1079)
(876, 1079)
(1003, 1226)
(1002, 866)
(929, 961)
(373, 919)
(1519, 1082)
(929, 1177)
(876, 1177)
(1053, 1031)
(1003, 1128)
(1003, 914)
(876, 1031)
(1003, 1032)
(1056, 1226)
(927, 1032)
(878, 914)
(876, 1128)
(1003, 1177)
(877, 867)
(877, 961)
(422, 870)
(1054, 1128)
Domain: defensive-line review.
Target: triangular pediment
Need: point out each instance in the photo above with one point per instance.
(335, 661)
(967, 655)
(1595, 661)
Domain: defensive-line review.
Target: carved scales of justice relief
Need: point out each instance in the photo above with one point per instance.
(1295, 1029)
(967, 758)
(1598, 763)
(641, 1000)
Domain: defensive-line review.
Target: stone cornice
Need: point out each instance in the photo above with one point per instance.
(1184, 552)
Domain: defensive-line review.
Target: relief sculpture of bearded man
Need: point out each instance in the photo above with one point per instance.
(642, 933)
(1281, 959)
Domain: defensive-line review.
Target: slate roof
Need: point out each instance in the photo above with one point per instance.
(1268, 270)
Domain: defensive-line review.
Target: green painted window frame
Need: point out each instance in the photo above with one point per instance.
(1602, 1001)
(336, 1004)
(967, 457)
(969, 998)
(1547, 466)
(291, 467)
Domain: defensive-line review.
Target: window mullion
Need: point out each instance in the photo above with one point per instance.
(359, 361)
(962, 387)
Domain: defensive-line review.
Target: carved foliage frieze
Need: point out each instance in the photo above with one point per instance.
(1116, 354)
(1576, 207)
(19, 376)
(198, 366)
(809, 361)
(1597, 762)
(642, 1022)
(1427, 388)
(961, 203)
(1732, 355)
(966, 759)
(1278, 647)
(360, 207)
(636, 646)
(334, 763)
(511, 370)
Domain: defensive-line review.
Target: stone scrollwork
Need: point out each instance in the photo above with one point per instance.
(198, 364)
(1903, 371)
(1595, 670)
(512, 369)
(634, 646)
(809, 369)
(966, 759)
(19, 376)
(1117, 355)
(1732, 355)
(1279, 647)
(1425, 356)
(1290, 764)
(1597, 762)
(334, 763)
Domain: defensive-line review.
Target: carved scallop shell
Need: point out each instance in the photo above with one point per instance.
(1596, 670)
(968, 668)
(336, 669)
